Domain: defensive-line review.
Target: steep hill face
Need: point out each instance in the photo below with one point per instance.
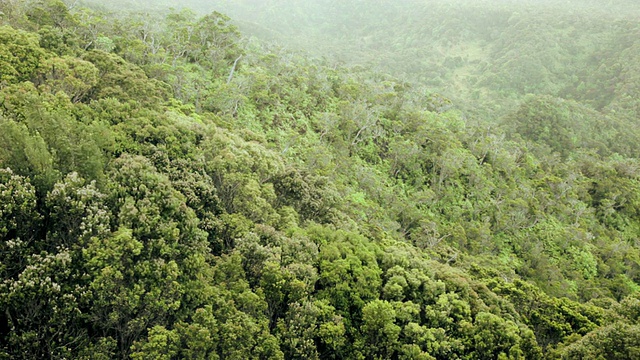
(170, 189)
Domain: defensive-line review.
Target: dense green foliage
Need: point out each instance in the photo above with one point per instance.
(169, 189)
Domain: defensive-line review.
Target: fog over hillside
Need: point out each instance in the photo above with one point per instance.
(485, 55)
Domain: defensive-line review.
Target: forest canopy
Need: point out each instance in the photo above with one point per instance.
(175, 184)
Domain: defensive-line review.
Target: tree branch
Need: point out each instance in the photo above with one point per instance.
(233, 69)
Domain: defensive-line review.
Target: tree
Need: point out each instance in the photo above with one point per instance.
(380, 333)
(615, 341)
(70, 75)
(20, 55)
(20, 223)
(146, 272)
(50, 13)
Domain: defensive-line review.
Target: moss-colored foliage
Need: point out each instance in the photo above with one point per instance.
(20, 55)
(615, 341)
(70, 75)
(21, 222)
(565, 126)
(47, 136)
(162, 196)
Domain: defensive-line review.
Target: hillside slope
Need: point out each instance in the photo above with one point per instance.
(170, 190)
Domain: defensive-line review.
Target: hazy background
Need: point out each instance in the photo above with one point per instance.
(484, 55)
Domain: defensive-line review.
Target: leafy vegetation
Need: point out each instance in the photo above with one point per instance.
(170, 189)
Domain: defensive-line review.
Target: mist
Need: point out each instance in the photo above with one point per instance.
(485, 55)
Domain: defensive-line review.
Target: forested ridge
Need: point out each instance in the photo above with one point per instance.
(172, 189)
